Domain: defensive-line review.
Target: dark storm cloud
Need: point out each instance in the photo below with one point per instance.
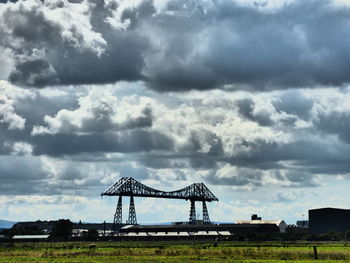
(256, 48)
(186, 45)
(198, 140)
(8, 1)
(202, 151)
(262, 154)
(293, 164)
(246, 110)
(299, 178)
(337, 123)
(203, 162)
(102, 121)
(294, 103)
(69, 59)
(128, 142)
(163, 161)
(311, 156)
(28, 175)
(20, 175)
(242, 177)
(32, 108)
(36, 72)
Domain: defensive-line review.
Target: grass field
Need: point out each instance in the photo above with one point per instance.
(108, 252)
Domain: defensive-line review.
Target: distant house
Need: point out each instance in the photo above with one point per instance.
(280, 223)
(257, 220)
(303, 223)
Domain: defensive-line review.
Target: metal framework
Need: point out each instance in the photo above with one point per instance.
(132, 213)
(206, 219)
(128, 186)
(193, 212)
(118, 219)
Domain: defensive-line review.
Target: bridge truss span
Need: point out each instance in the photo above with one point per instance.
(128, 186)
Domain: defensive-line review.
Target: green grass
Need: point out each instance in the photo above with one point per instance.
(169, 252)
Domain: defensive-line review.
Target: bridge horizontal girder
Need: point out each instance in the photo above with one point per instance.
(128, 186)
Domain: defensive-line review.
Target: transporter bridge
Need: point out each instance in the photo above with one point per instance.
(128, 186)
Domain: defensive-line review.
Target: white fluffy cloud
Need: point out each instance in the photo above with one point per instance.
(8, 95)
(245, 140)
(100, 112)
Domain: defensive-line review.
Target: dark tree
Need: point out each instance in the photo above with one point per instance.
(92, 234)
(62, 229)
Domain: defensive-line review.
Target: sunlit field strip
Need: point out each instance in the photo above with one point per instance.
(173, 252)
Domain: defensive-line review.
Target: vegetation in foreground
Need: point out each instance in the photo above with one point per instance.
(107, 252)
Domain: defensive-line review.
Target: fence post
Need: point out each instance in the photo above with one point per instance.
(315, 252)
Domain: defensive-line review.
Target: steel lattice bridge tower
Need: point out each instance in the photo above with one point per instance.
(128, 186)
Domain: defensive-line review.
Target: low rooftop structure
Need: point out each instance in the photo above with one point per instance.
(177, 234)
(302, 223)
(214, 229)
(281, 224)
(30, 237)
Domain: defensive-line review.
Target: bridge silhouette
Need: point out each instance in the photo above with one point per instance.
(128, 186)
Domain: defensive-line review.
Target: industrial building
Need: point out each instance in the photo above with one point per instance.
(255, 220)
(189, 230)
(324, 220)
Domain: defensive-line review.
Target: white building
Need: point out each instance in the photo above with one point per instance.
(280, 223)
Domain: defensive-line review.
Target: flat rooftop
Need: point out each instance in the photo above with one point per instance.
(233, 228)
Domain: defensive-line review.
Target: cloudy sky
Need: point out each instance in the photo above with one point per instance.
(250, 97)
